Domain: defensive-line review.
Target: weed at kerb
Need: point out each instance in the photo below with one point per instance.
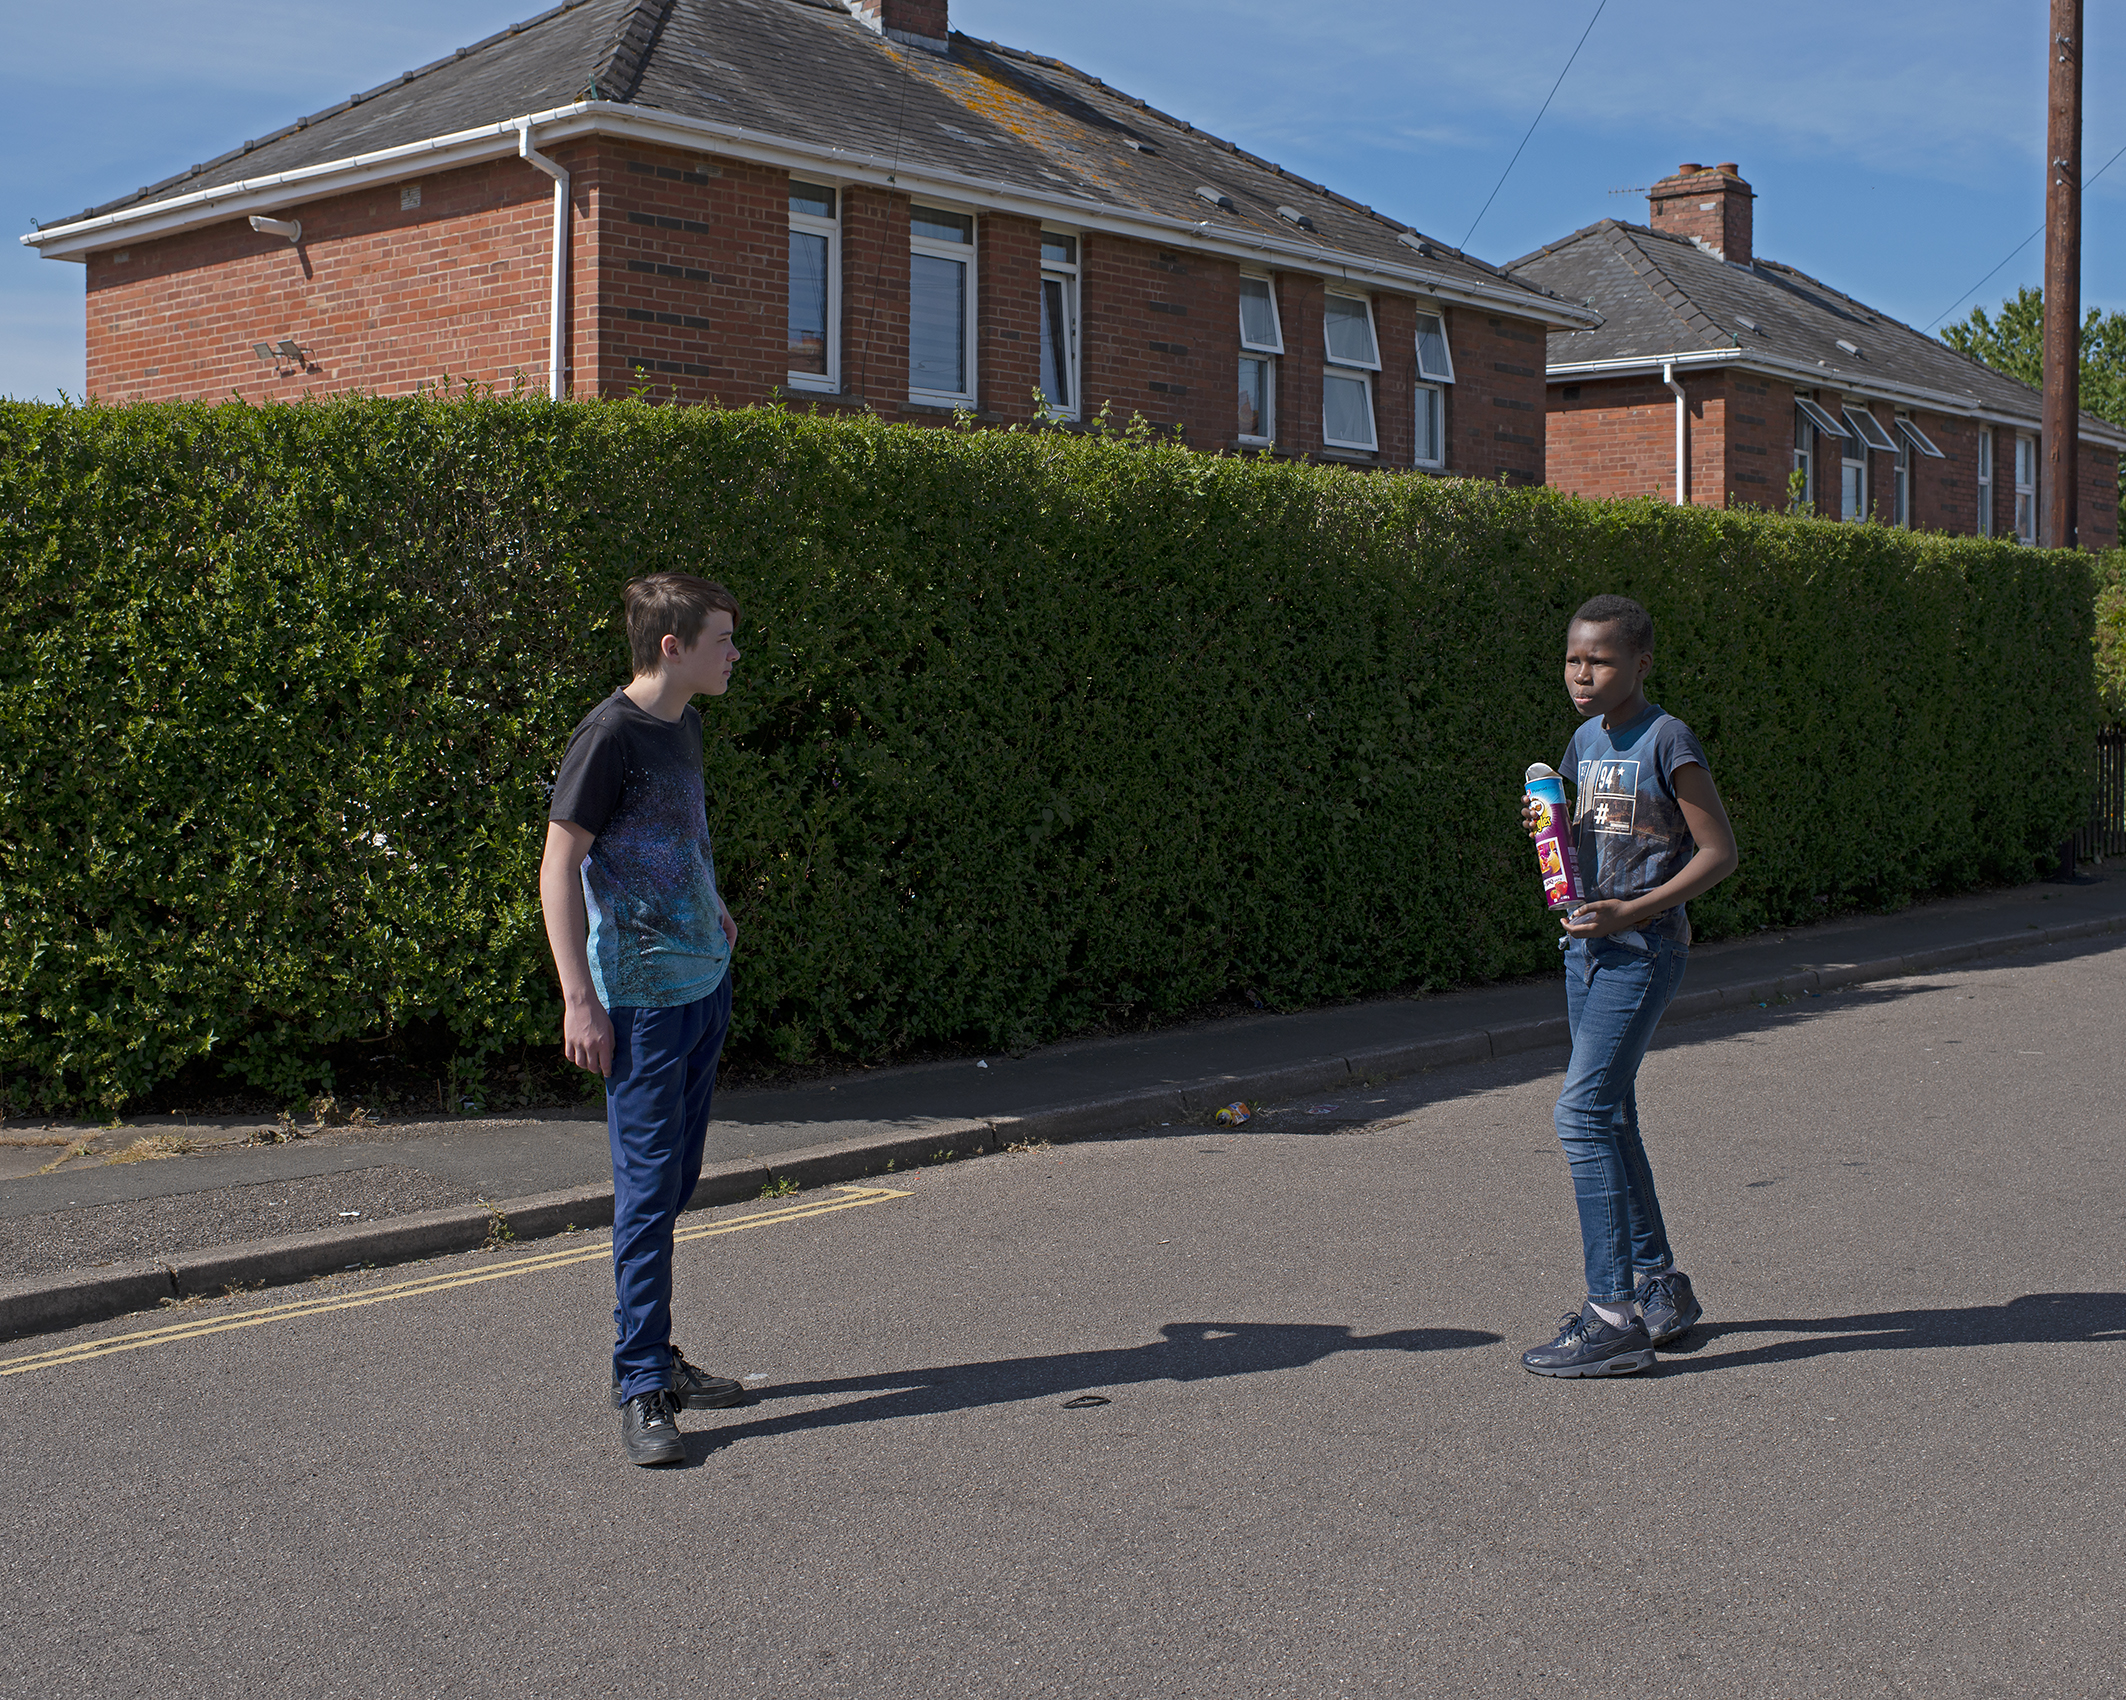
(779, 1186)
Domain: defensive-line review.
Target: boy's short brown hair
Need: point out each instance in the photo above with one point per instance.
(678, 603)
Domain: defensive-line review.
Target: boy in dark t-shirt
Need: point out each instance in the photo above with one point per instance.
(643, 943)
(1651, 834)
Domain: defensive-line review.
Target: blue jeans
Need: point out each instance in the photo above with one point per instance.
(1614, 995)
(657, 1120)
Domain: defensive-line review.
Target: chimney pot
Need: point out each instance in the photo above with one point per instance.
(1688, 165)
(1728, 166)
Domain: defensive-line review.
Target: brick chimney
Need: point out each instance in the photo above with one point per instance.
(1709, 204)
(922, 23)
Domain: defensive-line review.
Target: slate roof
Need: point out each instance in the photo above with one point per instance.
(1662, 295)
(806, 71)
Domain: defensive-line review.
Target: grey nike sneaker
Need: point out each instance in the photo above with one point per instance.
(1669, 1306)
(1586, 1345)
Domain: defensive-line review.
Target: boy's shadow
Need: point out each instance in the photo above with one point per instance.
(2036, 1319)
(1186, 1351)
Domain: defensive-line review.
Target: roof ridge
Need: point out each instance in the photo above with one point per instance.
(619, 74)
(153, 190)
(1690, 313)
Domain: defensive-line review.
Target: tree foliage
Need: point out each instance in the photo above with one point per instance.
(1034, 732)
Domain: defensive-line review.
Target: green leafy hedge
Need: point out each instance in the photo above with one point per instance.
(1033, 731)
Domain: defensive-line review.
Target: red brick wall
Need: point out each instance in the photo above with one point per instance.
(2098, 499)
(1498, 420)
(380, 299)
(1160, 337)
(1008, 317)
(691, 268)
(1617, 437)
(1758, 421)
(875, 298)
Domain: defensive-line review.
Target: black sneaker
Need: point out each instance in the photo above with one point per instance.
(1586, 1345)
(1669, 1306)
(695, 1389)
(649, 1429)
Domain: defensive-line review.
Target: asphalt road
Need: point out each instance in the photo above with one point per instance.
(1889, 1467)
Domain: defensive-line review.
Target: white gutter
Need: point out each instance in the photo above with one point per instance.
(1668, 377)
(1821, 377)
(557, 319)
(75, 240)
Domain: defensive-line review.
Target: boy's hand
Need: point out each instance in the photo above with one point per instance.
(1529, 816)
(730, 927)
(1597, 920)
(587, 1037)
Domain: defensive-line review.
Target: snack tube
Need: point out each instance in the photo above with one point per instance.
(1556, 858)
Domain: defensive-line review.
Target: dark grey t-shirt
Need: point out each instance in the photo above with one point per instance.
(649, 883)
(1626, 822)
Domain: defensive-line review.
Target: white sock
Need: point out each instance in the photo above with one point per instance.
(1619, 1315)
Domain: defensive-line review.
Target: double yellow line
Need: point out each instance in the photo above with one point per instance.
(597, 1250)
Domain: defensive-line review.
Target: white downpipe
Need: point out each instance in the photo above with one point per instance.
(557, 322)
(1668, 377)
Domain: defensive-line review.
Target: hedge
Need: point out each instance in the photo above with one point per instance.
(1034, 732)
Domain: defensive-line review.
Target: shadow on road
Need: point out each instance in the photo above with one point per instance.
(2036, 1319)
(1188, 1351)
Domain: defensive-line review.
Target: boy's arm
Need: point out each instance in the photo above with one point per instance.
(586, 1030)
(1707, 819)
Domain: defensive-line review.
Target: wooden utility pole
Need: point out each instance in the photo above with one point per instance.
(2063, 272)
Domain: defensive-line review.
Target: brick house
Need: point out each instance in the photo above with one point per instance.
(1725, 379)
(840, 204)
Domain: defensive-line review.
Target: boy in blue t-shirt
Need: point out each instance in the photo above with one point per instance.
(643, 945)
(1651, 834)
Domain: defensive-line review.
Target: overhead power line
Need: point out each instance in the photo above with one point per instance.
(1545, 107)
(2019, 247)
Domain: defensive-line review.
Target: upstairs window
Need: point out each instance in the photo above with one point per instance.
(1985, 481)
(1059, 325)
(1347, 323)
(940, 302)
(1346, 387)
(1864, 433)
(1261, 341)
(815, 288)
(1434, 363)
(1259, 329)
(2026, 488)
(1430, 442)
(1805, 454)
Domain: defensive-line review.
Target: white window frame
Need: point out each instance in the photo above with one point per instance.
(1901, 514)
(831, 228)
(1276, 343)
(1446, 349)
(1435, 397)
(2025, 518)
(1853, 458)
(1356, 375)
(963, 252)
(1268, 362)
(1815, 413)
(1372, 331)
(1805, 432)
(1985, 480)
(1053, 271)
(1869, 430)
(1908, 427)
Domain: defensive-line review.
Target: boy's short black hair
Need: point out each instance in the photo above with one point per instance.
(1634, 624)
(679, 603)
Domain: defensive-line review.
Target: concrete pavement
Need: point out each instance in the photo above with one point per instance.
(1888, 1466)
(97, 1237)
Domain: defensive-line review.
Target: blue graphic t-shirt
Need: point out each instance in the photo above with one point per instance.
(1627, 825)
(649, 883)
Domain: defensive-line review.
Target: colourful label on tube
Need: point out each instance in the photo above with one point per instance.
(1555, 857)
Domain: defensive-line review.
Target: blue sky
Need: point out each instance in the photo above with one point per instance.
(1897, 150)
